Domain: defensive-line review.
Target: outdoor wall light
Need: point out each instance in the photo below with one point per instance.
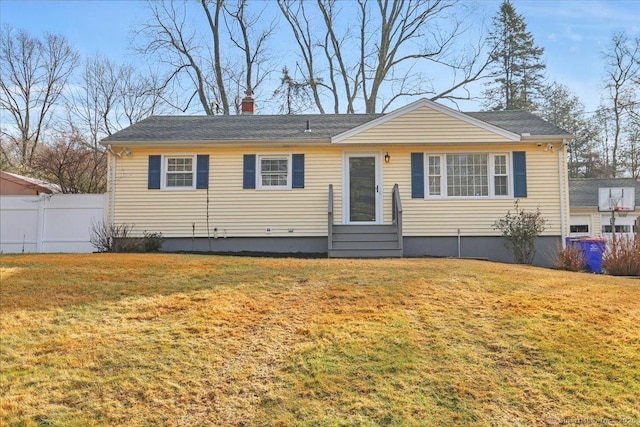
(387, 158)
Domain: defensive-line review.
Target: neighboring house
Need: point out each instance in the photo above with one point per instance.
(12, 184)
(324, 183)
(587, 220)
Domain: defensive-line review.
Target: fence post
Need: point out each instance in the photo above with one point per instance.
(42, 200)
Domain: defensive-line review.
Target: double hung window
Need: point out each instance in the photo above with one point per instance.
(179, 172)
(274, 172)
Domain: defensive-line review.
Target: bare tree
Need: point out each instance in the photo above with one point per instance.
(33, 74)
(72, 163)
(214, 26)
(110, 97)
(175, 45)
(251, 42)
(194, 62)
(294, 95)
(389, 50)
(297, 16)
(631, 150)
(621, 83)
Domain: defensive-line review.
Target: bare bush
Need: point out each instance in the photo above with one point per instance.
(112, 237)
(622, 257)
(571, 258)
(151, 242)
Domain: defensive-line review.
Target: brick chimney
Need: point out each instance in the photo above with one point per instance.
(248, 104)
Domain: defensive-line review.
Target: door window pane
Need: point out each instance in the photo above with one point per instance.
(362, 189)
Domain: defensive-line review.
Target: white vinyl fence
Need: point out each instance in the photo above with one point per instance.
(49, 223)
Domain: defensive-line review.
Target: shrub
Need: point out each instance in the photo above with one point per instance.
(112, 237)
(521, 229)
(117, 238)
(571, 258)
(151, 242)
(622, 256)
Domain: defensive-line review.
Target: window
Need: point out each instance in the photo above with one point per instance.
(435, 176)
(500, 176)
(179, 173)
(619, 229)
(274, 172)
(583, 228)
(468, 175)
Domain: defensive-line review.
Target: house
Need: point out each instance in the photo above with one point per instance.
(424, 180)
(12, 184)
(590, 219)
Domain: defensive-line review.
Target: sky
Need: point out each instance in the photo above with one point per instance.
(574, 33)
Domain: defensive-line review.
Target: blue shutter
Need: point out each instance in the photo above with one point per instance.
(202, 171)
(417, 175)
(297, 168)
(153, 181)
(249, 173)
(519, 174)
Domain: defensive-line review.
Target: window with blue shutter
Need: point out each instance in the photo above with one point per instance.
(249, 171)
(519, 174)
(417, 175)
(202, 171)
(153, 181)
(297, 165)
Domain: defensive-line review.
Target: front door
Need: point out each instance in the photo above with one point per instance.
(363, 195)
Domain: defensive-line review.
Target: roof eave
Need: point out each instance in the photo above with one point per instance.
(536, 138)
(213, 143)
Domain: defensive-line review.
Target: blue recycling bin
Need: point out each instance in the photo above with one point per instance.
(593, 250)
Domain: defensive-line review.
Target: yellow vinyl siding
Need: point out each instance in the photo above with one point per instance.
(237, 212)
(234, 211)
(425, 126)
(474, 217)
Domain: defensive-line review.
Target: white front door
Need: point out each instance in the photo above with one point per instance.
(363, 189)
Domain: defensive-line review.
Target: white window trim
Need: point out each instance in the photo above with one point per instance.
(165, 167)
(443, 177)
(492, 175)
(490, 172)
(259, 158)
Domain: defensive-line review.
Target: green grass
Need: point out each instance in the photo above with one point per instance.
(184, 340)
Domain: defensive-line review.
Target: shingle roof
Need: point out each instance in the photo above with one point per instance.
(292, 127)
(583, 192)
(240, 128)
(32, 183)
(519, 122)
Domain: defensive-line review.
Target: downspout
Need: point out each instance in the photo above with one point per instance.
(563, 178)
(112, 187)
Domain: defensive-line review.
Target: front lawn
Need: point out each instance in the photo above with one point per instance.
(186, 340)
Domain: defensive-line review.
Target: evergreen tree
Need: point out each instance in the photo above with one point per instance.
(518, 67)
(562, 108)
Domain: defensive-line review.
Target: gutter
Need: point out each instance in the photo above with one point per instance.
(563, 178)
(209, 143)
(545, 138)
(112, 187)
